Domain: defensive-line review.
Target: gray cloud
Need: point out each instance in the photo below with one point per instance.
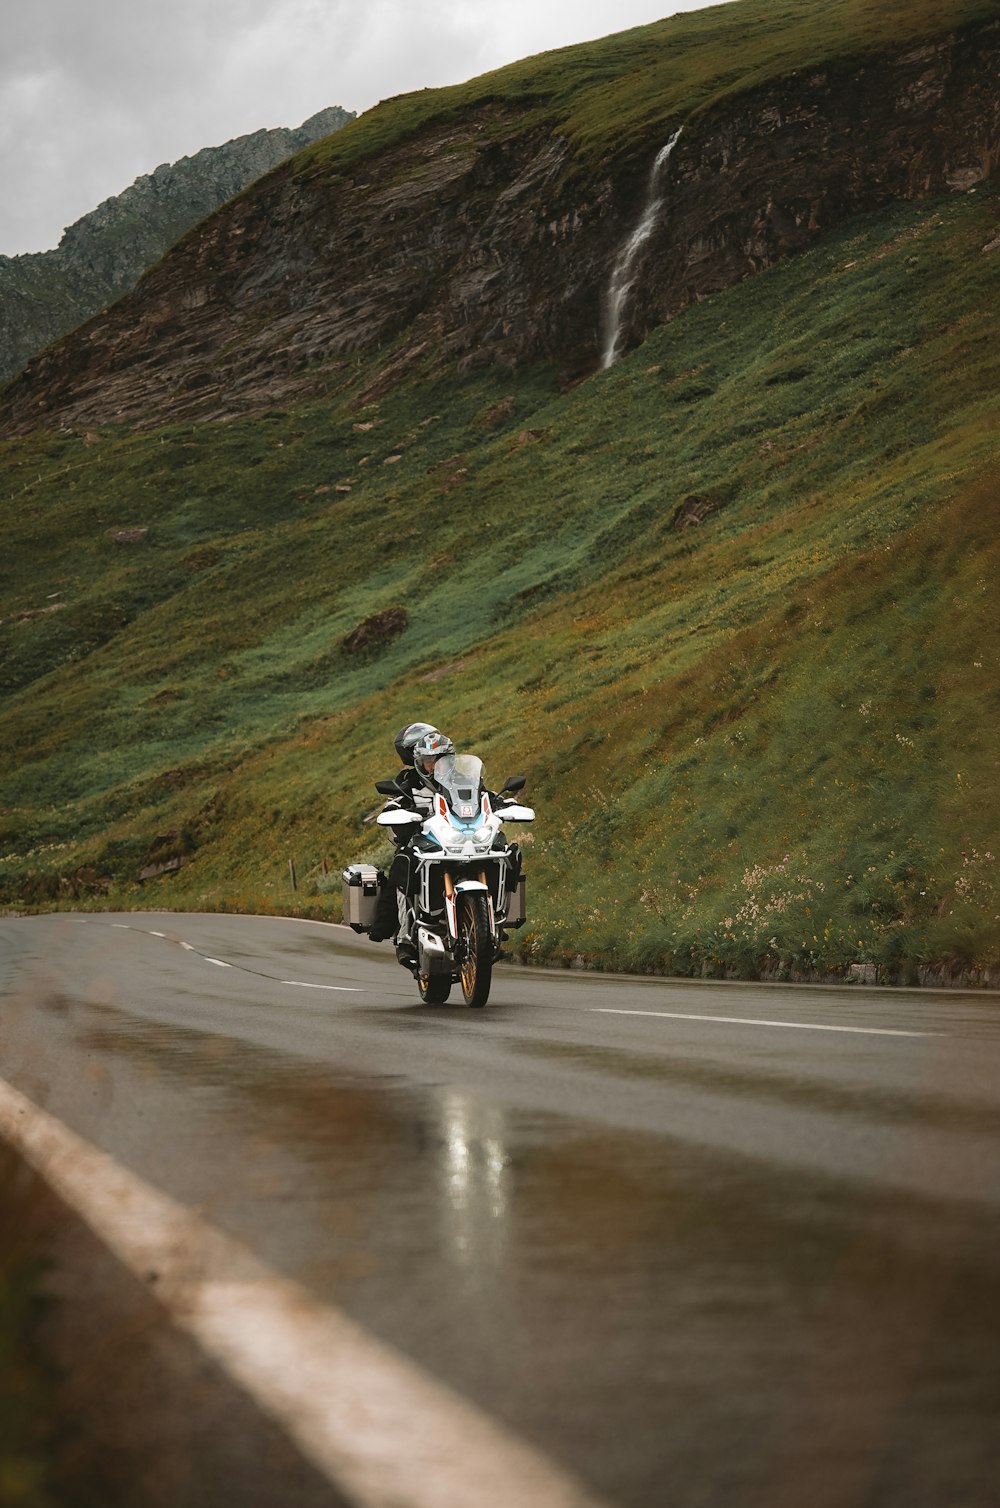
(95, 92)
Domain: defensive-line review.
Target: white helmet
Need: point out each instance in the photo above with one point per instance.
(428, 748)
(408, 737)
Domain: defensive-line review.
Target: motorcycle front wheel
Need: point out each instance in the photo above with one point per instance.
(477, 968)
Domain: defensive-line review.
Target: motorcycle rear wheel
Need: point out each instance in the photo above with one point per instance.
(434, 988)
(477, 969)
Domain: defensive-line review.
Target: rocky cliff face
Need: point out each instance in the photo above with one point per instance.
(467, 242)
(100, 257)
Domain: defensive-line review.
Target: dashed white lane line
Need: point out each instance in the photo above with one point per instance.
(384, 1432)
(799, 1026)
(299, 984)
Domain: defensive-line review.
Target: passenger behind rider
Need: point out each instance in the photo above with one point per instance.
(420, 754)
(419, 746)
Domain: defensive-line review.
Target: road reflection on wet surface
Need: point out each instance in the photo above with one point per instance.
(678, 1326)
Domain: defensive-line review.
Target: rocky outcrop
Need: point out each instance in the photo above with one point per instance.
(694, 510)
(377, 630)
(757, 181)
(474, 242)
(45, 294)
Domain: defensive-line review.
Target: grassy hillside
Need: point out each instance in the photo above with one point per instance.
(621, 90)
(764, 741)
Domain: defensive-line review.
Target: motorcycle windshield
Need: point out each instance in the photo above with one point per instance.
(460, 778)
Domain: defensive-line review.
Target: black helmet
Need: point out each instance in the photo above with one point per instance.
(408, 736)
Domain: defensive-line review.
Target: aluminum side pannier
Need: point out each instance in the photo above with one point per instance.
(516, 905)
(362, 883)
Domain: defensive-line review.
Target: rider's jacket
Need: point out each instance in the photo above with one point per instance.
(419, 789)
(418, 794)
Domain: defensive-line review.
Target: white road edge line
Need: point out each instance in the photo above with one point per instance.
(799, 1026)
(380, 1429)
(346, 989)
(217, 961)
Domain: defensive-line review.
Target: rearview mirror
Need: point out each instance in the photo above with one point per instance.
(389, 788)
(515, 783)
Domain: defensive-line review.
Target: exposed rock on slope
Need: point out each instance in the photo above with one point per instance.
(465, 241)
(45, 294)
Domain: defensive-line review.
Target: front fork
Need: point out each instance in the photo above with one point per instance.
(451, 905)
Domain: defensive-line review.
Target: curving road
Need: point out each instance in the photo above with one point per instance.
(611, 1240)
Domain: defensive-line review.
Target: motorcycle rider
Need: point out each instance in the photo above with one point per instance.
(419, 746)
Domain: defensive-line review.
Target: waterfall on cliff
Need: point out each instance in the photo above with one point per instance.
(623, 273)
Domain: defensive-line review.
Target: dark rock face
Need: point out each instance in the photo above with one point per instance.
(371, 633)
(100, 257)
(694, 510)
(136, 536)
(756, 181)
(465, 240)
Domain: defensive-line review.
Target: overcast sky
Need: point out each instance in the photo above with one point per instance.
(95, 92)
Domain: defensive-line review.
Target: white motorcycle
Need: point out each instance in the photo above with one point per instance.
(465, 889)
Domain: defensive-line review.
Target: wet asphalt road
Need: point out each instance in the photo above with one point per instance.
(707, 1246)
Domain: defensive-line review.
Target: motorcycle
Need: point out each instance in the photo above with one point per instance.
(465, 888)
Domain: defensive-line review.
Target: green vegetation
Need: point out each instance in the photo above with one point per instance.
(764, 742)
(611, 96)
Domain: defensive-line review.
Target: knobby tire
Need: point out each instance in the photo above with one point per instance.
(434, 988)
(477, 970)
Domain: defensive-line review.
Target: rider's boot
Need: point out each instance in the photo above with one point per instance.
(406, 952)
(386, 920)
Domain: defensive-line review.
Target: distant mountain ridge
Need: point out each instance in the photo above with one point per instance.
(43, 295)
